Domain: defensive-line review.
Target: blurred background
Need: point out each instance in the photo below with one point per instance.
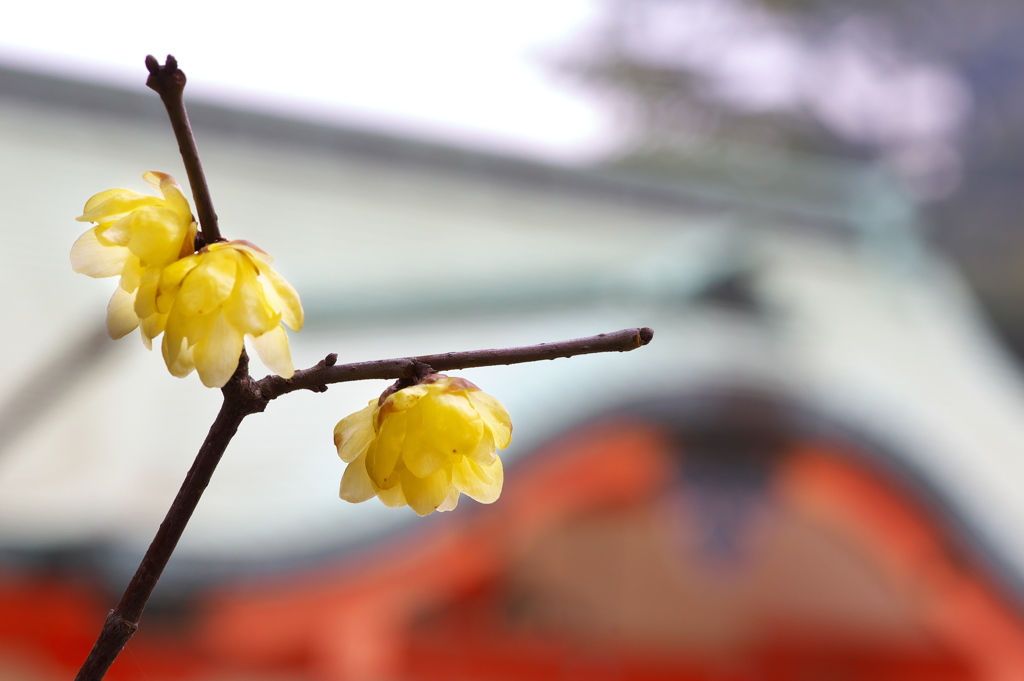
(813, 472)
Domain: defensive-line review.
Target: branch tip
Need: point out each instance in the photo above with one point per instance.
(646, 335)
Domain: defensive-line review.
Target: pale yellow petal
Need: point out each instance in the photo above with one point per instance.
(121, 317)
(282, 297)
(441, 426)
(251, 249)
(451, 501)
(114, 203)
(204, 289)
(177, 355)
(194, 328)
(355, 482)
(353, 433)
(153, 177)
(170, 281)
(157, 233)
(400, 400)
(272, 347)
(118, 232)
(145, 298)
(393, 497)
(386, 448)
(425, 495)
(90, 257)
(216, 356)
(188, 244)
(484, 453)
(247, 308)
(494, 415)
(171, 190)
(152, 326)
(131, 274)
(482, 483)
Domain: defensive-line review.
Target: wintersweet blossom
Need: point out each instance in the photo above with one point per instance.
(208, 302)
(204, 303)
(135, 237)
(424, 445)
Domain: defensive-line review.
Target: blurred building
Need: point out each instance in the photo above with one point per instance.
(810, 473)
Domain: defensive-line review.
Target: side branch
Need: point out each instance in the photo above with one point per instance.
(169, 82)
(318, 377)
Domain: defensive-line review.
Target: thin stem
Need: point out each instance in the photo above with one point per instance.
(244, 396)
(326, 372)
(169, 82)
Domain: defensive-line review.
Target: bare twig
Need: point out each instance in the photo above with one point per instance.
(169, 82)
(325, 373)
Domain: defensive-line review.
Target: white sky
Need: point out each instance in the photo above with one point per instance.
(464, 71)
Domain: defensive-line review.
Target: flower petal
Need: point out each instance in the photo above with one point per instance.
(177, 354)
(451, 501)
(171, 190)
(121, 317)
(494, 415)
(157, 233)
(353, 433)
(170, 281)
(441, 427)
(204, 288)
(145, 298)
(399, 400)
(114, 203)
(484, 453)
(152, 326)
(425, 495)
(91, 258)
(482, 483)
(355, 482)
(272, 347)
(131, 273)
(247, 308)
(392, 497)
(282, 297)
(386, 449)
(216, 357)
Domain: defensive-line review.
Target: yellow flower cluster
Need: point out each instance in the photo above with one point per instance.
(424, 445)
(208, 302)
(135, 234)
(204, 303)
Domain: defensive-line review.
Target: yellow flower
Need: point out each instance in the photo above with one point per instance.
(425, 444)
(206, 303)
(136, 235)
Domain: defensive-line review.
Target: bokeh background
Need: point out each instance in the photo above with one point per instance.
(813, 472)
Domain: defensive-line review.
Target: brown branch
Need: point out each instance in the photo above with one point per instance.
(317, 378)
(243, 396)
(169, 82)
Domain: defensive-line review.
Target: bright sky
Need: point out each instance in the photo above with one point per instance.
(463, 71)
